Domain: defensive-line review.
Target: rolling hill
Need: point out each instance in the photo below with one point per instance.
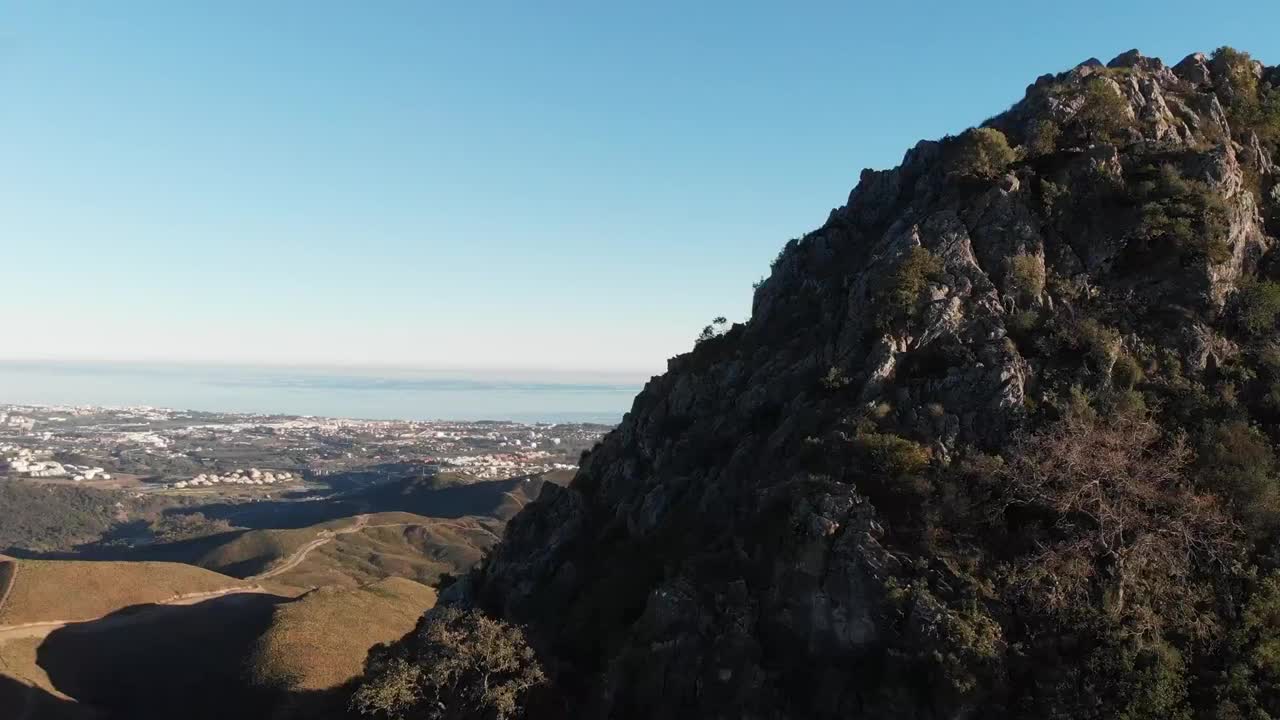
(300, 650)
(253, 552)
(354, 552)
(75, 590)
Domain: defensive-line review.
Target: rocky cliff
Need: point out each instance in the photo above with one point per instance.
(860, 502)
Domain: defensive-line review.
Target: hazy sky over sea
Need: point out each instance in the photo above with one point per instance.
(563, 186)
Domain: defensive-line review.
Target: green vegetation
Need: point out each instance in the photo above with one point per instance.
(717, 328)
(1251, 683)
(1126, 372)
(897, 300)
(1252, 105)
(47, 517)
(1104, 113)
(1259, 307)
(176, 527)
(835, 379)
(1237, 462)
(1179, 217)
(981, 153)
(891, 454)
(1026, 276)
(1096, 342)
(457, 663)
(1042, 137)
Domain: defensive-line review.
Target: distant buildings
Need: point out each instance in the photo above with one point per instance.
(27, 461)
(253, 476)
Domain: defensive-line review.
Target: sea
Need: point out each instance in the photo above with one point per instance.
(364, 393)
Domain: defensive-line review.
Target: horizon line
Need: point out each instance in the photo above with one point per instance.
(505, 372)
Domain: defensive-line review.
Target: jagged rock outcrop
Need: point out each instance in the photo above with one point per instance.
(740, 547)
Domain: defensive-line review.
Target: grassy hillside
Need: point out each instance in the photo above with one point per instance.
(390, 544)
(301, 649)
(255, 551)
(25, 687)
(396, 545)
(78, 590)
(170, 662)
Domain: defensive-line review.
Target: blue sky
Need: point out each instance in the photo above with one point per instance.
(547, 186)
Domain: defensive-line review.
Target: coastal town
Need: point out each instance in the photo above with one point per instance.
(154, 450)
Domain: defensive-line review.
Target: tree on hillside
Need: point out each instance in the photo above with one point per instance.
(457, 664)
(1122, 524)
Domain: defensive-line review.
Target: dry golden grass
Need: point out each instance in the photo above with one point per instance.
(395, 545)
(320, 640)
(48, 590)
(257, 550)
(18, 661)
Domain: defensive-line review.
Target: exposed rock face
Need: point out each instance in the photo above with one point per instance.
(701, 566)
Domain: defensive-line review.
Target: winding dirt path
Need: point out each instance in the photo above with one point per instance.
(41, 630)
(104, 622)
(326, 536)
(44, 627)
(10, 576)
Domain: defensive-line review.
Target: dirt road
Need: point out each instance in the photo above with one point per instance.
(8, 578)
(326, 536)
(104, 622)
(44, 628)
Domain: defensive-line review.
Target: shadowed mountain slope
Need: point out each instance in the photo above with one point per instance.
(998, 440)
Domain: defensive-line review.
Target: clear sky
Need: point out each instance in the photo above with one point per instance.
(536, 185)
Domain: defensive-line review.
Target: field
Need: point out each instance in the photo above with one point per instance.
(301, 651)
(47, 590)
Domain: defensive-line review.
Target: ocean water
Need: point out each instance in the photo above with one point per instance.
(366, 394)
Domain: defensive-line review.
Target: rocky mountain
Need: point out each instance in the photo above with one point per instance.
(998, 440)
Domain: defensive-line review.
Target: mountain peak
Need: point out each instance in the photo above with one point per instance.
(812, 514)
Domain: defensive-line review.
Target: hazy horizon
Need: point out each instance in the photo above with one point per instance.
(572, 189)
(354, 393)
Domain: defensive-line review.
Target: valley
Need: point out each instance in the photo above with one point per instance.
(124, 595)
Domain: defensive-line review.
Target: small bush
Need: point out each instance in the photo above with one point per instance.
(1023, 323)
(1098, 343)
(1237, 462)
(1252, 105)
(1126, 373)
(1259, 307)
(897, 300)
(1180, 217)
(982, 153)
(1042, 137)
(835, 379)
(1026, 276)
(1104, 112)
(712, 331)
(892, 454)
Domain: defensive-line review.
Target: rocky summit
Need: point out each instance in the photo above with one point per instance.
(998, 440)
